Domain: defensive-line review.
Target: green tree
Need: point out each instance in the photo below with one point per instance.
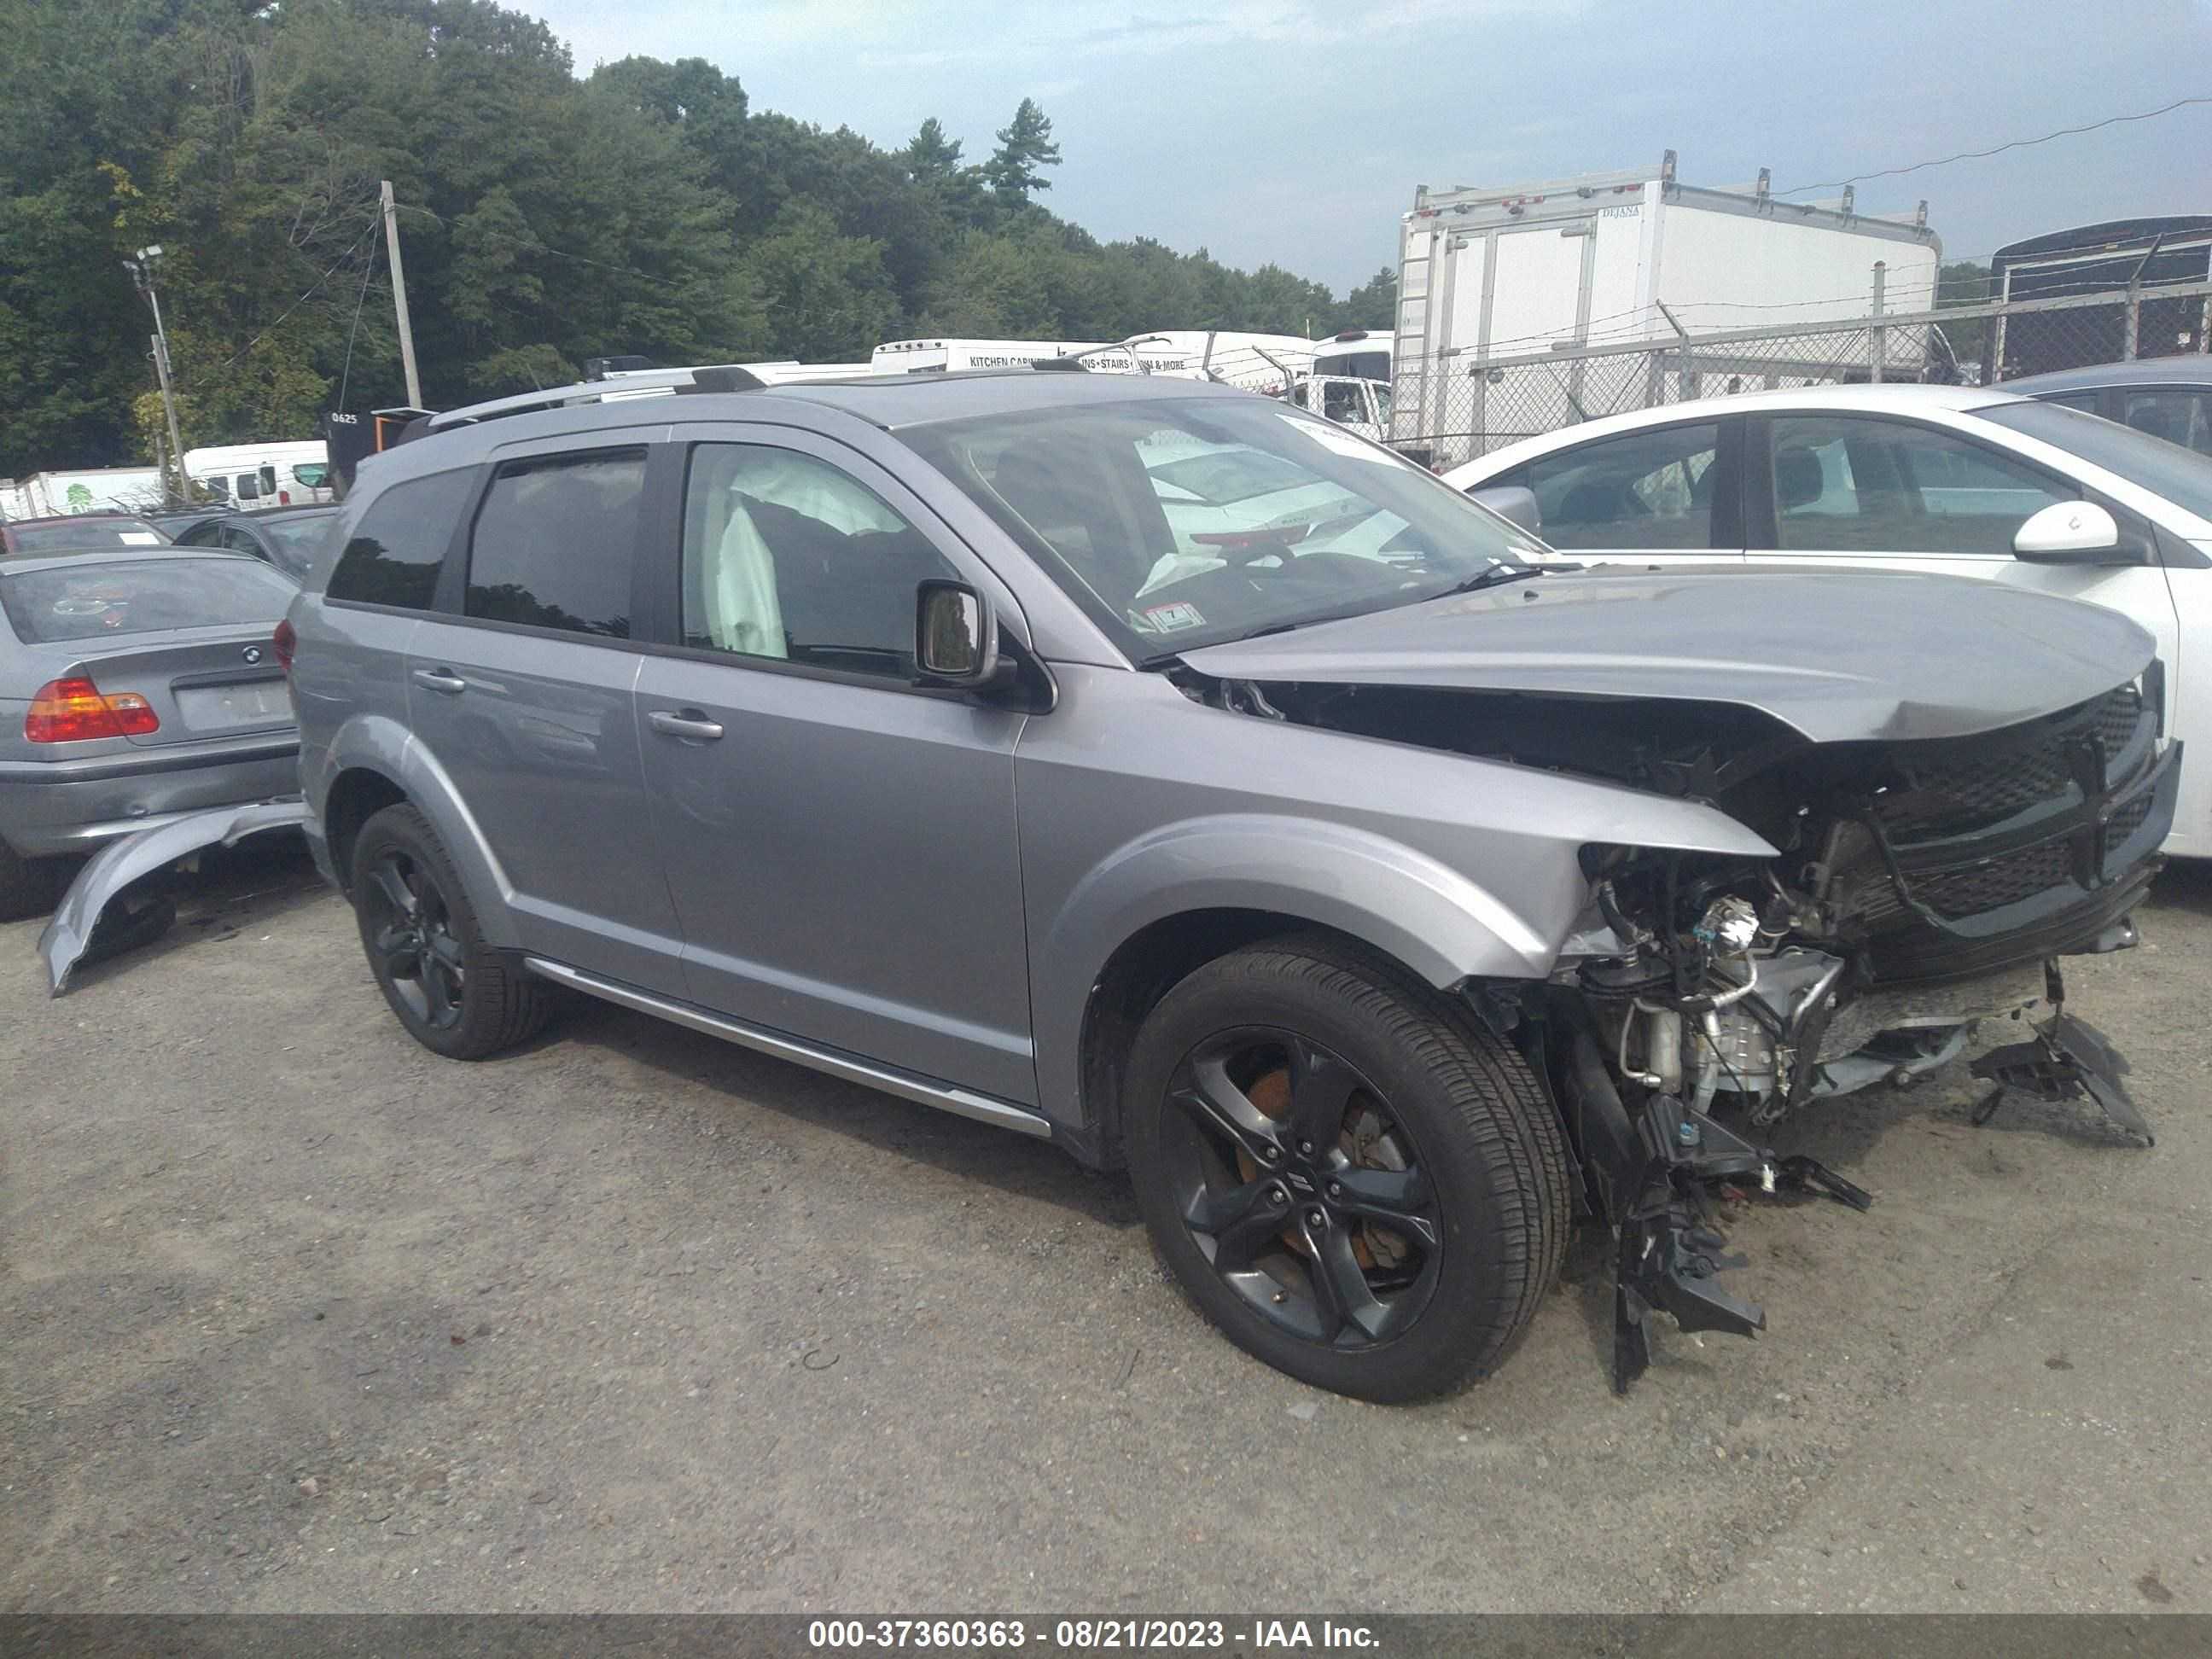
(828, 297)
(931, 159)
(1373, 305)
(1025, 149)
(649, 208)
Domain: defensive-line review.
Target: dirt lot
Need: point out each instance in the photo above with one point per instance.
(297, 1316)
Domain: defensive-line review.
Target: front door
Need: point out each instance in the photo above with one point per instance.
(1858, 491)
(840, 844)
(1661, 495)
(522, 691)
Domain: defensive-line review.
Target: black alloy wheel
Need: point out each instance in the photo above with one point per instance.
(454, 994)
(1301, 1188)
(412, 935)
(1351, 1176)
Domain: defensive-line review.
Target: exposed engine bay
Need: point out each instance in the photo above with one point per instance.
(1921, 889)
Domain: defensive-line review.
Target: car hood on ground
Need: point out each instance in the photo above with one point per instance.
(1837, 656)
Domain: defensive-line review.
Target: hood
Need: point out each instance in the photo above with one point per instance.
(1837, 655)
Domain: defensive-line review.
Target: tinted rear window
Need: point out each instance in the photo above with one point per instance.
(393, 555)
(100, 601)
(87, 533)
(555, 541)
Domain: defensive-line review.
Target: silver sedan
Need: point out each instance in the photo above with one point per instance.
(136, 685)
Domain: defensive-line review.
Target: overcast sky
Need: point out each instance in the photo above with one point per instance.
(1296, 130)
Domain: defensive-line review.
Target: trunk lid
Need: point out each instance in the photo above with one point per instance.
(202, 682)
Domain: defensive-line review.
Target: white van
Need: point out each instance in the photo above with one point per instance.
(950, 357)
(254, 477)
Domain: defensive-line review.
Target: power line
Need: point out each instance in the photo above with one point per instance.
(345, 375)
(1999, 150)
(311, 293)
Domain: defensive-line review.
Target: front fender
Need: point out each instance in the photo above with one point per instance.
(378, 744)
(1435, 920)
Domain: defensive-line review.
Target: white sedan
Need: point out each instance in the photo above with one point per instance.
(1943, 478)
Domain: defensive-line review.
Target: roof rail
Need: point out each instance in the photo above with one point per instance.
(635, 383)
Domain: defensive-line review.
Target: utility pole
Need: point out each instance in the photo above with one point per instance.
(142, 270)
(399, 299)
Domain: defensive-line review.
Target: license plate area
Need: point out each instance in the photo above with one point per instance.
(238, 706)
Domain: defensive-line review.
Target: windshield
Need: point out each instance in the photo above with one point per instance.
(2183, 476)
(98, 600)
(1188, 521)
(84, 533)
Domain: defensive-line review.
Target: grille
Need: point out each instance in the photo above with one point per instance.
(2118, 713)
(2129, 819)
(1971, 788)
(1956, 893)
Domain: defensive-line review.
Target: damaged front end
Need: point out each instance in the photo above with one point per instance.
(1922, 887)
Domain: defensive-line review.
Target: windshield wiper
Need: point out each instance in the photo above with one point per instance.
(1498, 574)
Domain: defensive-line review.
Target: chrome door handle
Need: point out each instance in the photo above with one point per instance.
(690, 723)
(442, 680)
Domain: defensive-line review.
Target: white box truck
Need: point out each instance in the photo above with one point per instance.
(1486, 275)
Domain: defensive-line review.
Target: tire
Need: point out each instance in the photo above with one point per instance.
(1472, 1143)
(27, 886)
(455, 995)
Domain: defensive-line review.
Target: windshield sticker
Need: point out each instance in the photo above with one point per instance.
(1168, 619)
(1342, 442)
(138, 538)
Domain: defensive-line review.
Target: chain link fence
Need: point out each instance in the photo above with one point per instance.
(1455, 405)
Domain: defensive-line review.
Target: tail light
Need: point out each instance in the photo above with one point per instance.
(285, 641)
(75, 709)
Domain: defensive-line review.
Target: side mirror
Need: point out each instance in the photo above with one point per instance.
(2077, 532)
(1514, 504)
(956, 638)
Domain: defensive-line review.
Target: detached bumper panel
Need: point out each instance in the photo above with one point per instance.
(74, 930)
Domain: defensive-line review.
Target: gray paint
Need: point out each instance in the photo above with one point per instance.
(1837, 655)
(62, 798)
(874, 874)
(2189, 369)
(119, 863)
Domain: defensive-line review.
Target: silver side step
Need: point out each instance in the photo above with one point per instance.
(944, 1097)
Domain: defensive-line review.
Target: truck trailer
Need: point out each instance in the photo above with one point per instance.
(1513, 275)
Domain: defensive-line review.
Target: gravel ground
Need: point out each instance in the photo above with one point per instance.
(299, 1317)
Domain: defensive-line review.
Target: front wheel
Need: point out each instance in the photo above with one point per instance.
(1358, 1186)
(455, 995)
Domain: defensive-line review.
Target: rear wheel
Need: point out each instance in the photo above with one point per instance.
(455, 995)
(1358, 1186)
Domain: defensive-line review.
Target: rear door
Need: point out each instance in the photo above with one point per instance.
(521, 688)
(840, 842)
(1660, 495)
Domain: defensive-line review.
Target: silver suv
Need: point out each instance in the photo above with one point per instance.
(1159, 770)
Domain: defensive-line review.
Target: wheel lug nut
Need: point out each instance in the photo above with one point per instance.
(1277, 1195)
(1305, 1149)
(1315, 1219)
(1336, 1190)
